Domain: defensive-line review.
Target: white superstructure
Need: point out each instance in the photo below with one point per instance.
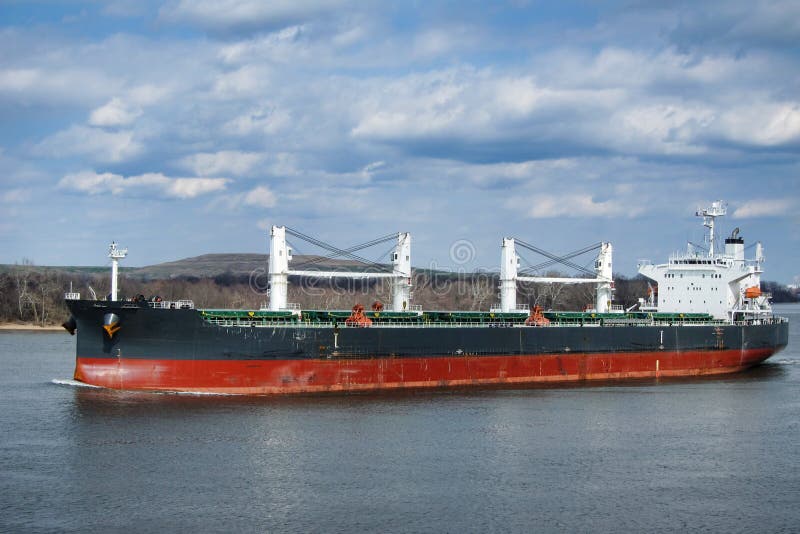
(723, 284)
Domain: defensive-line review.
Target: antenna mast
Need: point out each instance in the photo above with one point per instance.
(115, 254)
(717, 209)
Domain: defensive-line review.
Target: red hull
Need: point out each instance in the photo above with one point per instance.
(266, 377)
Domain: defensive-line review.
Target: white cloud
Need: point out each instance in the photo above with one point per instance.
(225, 15)
(19, 79)
(418, 106)
(371, 168)
(192, 187)
(349, 36)
(460, 110)
(258, 121)
(661, 128)
(467, 104)
(96, 143)
(224, 162)
(764, 208)
(763, 124)
(148, 94)
(51, 84)
(15, 196)
(440, 41)
(124, 8)
(247, 81)
(573, 206)
(114, 113)
(518, 96)
(150, 183)
(285, 164)
(526, 172)
(280, 46)
(746, 25)
(260, 197)
(624, 101)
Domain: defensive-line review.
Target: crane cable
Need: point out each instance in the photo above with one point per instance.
(341, 252)
(554, 258)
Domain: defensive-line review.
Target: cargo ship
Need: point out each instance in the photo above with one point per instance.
(704, 315)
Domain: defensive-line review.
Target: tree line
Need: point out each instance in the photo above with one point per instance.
(31, 294)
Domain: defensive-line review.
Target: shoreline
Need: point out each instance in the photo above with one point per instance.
(29, 327)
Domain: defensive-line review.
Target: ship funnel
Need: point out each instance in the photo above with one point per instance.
(734, 246)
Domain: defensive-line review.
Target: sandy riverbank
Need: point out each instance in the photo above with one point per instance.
(31, 327)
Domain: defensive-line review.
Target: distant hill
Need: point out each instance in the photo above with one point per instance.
(205, 266)
(211, 265)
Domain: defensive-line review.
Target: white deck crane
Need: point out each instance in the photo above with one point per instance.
(280, 255)
(509, 276)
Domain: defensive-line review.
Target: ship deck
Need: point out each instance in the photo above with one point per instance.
(461, 319)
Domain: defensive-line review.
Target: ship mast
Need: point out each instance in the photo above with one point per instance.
(509, 264)
(717, 209)
(401, 270)
(115, 254)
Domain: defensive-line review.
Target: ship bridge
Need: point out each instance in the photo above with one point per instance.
(722, 284)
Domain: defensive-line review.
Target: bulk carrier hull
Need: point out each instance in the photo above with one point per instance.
(179, 350)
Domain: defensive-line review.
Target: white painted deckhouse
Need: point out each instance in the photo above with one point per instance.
(723, 284)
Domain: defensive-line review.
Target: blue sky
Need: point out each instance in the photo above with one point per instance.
(189, 127)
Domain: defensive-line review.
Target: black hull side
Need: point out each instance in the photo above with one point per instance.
(146, 333)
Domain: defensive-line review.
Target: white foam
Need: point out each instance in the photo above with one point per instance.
(73, 383)
(78, 384)
(787, 362)
(199, 393)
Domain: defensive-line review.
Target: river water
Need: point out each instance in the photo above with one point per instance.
(718, 454)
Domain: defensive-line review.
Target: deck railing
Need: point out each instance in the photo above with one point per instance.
(607, 323)
(172, 304)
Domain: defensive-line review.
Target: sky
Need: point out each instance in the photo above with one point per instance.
(190, 127)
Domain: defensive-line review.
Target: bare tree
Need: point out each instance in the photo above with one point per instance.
(46, 289)
(481, 289)
(22, 281)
